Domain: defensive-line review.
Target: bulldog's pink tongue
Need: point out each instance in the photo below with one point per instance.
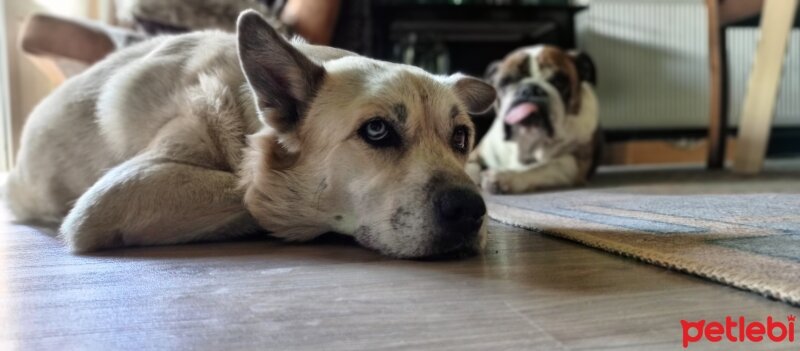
(520, 112)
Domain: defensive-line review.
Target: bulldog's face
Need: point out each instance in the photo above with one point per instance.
(361, 147)
(539, 88)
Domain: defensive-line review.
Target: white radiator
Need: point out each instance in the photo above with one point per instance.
(652, 60)
(741, 49)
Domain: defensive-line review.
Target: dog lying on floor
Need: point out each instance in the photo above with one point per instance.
(208, 135)
(546, 132)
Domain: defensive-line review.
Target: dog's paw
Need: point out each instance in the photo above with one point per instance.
(82, 238)
(494, 182)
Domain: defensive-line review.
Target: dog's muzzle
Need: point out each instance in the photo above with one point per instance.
(459, 215)
(531, 108)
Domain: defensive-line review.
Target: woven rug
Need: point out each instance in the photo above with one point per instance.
(740, 231)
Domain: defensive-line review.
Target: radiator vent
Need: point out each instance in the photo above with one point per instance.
(652, 60)
(742, 44)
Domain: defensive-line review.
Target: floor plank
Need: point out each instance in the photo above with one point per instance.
(527, 292)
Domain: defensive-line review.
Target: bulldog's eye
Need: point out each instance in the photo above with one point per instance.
(379, 133)
(461, 139)
(560, 82)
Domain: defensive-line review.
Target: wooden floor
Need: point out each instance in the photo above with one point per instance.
(527, 292)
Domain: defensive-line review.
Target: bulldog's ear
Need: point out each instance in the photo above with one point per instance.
(283, 79)
(477, 95)
(491, 71)
(585, 66)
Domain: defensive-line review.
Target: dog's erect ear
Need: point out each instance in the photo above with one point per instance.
(477, 95)
(585, 66)
(283, 79)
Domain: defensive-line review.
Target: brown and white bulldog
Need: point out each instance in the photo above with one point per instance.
(546, 132)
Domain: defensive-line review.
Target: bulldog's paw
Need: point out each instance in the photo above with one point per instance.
(495, 182)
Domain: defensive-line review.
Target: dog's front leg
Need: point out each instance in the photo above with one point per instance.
(559, 172)
(151, 202)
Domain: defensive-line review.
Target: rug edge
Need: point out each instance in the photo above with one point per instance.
(725, 278)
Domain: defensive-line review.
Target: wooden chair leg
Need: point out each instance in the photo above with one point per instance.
(718, 106)
(762, 88)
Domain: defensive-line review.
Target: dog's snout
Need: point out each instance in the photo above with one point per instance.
(460, 206)
(460, 214)
(533, 91)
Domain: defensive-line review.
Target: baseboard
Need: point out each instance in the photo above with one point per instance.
(784, 141)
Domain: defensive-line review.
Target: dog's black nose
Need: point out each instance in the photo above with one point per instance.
(532, 91)
(460, 214)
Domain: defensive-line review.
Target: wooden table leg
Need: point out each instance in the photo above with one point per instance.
(762, 89)
(718, 106)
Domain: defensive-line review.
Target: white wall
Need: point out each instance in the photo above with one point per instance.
(652, 59)
(26, 84)
(6, 145)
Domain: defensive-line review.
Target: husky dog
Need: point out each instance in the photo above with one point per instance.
(546, 133)
(206, 136)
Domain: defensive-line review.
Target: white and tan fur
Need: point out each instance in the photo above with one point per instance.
(519, 159)
(203, 137)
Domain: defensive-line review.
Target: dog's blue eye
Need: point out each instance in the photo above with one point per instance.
(377, 130)
(379, 133)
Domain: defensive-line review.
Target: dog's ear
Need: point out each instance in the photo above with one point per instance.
(283, 79)
(477, 95)
(491, 71)
(585, 66)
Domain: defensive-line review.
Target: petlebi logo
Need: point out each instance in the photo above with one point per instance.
(739, 330)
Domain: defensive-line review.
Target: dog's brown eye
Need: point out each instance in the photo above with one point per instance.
(379, 133)
(461, 139)
(560, 82)
(505, 81)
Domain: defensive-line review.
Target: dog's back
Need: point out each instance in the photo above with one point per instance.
(104, 116)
